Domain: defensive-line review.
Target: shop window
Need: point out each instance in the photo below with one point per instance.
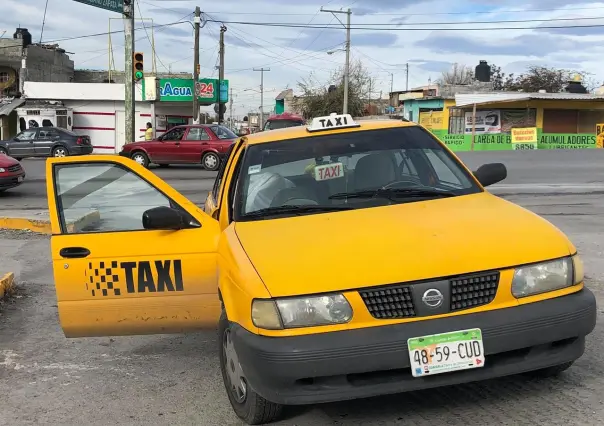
(521, 117)
(47, 123)
(62, 121)
(560, 121)
(457, 121)
(22, 124)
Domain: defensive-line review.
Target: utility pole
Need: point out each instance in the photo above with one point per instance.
(391, 82)
(231, 108)
(129, 97)
(221, 73)
(196, 21)
(407, 75)
(347, 66)
(262, 70)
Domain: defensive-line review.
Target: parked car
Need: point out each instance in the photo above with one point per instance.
(46, 142)
(12, 173)
(189, 144)
(281, 121)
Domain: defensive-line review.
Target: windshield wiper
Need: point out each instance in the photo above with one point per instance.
(393, 193)
(292, 209)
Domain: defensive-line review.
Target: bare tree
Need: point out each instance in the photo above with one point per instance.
(322, 99)
(458, 74)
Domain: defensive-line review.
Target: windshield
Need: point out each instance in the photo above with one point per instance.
(281, 124)
(354, 169)
(223, 132)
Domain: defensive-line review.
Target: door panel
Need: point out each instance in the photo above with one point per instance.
(114, 277)
(170, 146)
(24, 146)
(45, 140)
(193, 144)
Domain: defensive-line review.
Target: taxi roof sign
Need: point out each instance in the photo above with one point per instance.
(332, 122)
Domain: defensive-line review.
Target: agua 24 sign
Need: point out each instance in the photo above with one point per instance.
(181, 90)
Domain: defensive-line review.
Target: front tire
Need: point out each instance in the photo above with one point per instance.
(3, 151)
(247, 404)
(210, 161)
(141, 158)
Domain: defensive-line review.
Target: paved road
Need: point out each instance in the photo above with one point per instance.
(174, 380)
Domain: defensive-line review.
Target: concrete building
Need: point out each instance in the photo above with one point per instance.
(21, 61)
(97, 110)
(95, 76)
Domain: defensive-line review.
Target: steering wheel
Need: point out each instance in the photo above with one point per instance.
(406, 180)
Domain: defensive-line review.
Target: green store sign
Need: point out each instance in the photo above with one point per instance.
(182, 90)
(503, 141)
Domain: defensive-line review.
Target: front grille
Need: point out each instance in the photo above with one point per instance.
(15, 168)
(391, 302)
(472, 291)
(396, 300)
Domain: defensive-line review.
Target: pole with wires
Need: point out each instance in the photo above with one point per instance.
(262, 70)
(196, 21)
(129, 70)
(221, 106)
(347, 65)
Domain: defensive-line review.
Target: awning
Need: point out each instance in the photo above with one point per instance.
(7, 107)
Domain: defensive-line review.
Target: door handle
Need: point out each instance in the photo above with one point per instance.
(204, 143)
(74, 252)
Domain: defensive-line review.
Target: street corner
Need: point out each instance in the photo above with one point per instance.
(7, 282)
(39, 221)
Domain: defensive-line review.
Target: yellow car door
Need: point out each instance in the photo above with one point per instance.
(130, 254)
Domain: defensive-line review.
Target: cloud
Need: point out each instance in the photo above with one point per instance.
(536, 44)
(430, 65)
(322, 39)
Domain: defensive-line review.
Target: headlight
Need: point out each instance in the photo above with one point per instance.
(2, 170)
(547, 276)
(301, 312)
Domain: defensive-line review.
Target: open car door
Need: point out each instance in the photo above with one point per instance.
(130, 254)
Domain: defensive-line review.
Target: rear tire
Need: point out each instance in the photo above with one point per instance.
(247, 404)
(141, 158)
(60, 151)
(550, 371)
(210, 161)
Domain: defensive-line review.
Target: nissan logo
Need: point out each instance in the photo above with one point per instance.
(433, 298)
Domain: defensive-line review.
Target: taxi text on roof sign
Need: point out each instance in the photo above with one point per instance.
(333, 121)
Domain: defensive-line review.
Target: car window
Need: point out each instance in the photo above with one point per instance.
(174, 134)
(313, 169)
(197, 134)
(47, 134)
(220, 175)
(222, 132)
(116, 196)
(26, 135)
(281, 124)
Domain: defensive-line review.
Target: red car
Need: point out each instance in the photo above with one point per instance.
(11, 173)
(191, 144)
(281, 121)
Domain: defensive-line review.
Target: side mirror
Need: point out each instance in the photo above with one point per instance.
(164, 218)
(491, 173)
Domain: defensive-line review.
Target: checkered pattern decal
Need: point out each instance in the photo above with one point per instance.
(103, 279)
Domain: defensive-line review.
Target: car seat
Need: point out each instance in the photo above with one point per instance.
(373, 171)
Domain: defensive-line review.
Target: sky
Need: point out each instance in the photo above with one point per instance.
(428, 35)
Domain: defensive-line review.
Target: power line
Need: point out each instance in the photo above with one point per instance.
(424, 14)
(291, 25)
(140, 12)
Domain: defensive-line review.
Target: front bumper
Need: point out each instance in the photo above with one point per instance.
(7, 182)
(374, 361)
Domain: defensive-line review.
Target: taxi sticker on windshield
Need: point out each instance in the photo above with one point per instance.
(329, 171)
(254, 169)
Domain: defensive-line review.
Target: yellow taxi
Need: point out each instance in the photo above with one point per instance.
(340, 260)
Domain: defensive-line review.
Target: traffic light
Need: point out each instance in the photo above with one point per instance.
(138, 65)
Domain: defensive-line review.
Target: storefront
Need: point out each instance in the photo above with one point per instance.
(485, 122)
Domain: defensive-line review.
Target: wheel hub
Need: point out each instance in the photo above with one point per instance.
(139, 159)
(210, 161)
(237, 383)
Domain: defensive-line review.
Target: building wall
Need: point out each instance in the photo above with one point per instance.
(502, 141)
(412, 107)
(103, 121)
(49, 65)
(92, 76)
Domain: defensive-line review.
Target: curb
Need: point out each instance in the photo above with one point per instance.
(42, 226)
(6, 284)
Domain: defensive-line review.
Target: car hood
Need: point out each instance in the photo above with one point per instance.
(6, 161)
(398, 243)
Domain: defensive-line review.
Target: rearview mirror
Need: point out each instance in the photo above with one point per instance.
(491, 173)
(163, 218)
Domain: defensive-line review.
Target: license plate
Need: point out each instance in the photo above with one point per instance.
(20, 179)
(446, 352)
